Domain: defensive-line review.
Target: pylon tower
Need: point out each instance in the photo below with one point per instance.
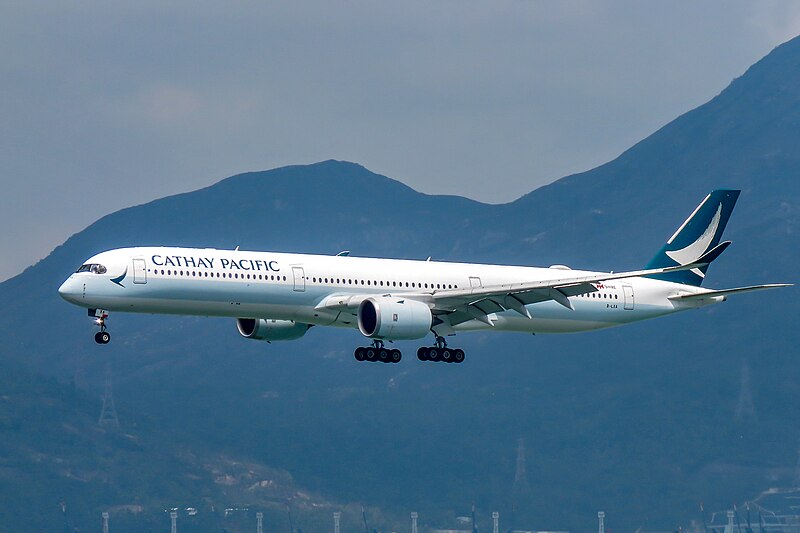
(108, 414)
(745, 408)
(521, 490)
(520, 475)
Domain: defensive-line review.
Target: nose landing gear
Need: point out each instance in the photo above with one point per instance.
(100, 316)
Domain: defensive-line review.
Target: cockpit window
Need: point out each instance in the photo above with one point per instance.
(94, 268)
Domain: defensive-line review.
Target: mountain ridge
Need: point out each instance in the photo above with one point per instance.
(638, 420)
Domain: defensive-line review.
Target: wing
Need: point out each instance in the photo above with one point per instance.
(462, 305)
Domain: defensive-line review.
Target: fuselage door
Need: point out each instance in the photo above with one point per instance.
(299, 279)
(139, 271)
(475, 283)
(627, 294)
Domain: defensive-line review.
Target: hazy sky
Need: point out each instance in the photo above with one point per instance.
(104, 105)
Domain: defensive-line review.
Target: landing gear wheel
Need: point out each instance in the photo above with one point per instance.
(458, 355)
(395, 356)
(102, 337)
(447, 355)
(370, 355)
(422, 353)
(359, 354)
(433, 354)
(383, 355)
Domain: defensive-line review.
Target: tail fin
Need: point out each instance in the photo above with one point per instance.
(699, 236)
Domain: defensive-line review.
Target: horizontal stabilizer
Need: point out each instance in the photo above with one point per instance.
(725, 292)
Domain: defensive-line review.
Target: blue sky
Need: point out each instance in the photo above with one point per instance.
(106, 105)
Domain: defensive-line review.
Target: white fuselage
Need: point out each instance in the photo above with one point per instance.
(296, 287)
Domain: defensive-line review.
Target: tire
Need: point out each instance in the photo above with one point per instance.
(447, 355)
(383, 355)
(370, 355)
(359, 354)
(433, 354)
(422, 353)
(395, 356)
(458, 355)
(102, 337)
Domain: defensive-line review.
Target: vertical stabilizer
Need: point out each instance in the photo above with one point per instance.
(698, 235)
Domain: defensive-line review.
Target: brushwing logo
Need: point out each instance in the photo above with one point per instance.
(118, 280)
(694, 251)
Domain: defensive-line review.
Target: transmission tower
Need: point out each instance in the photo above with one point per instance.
(745, 408)
(521, 490)
(520, 475)
(108, 414)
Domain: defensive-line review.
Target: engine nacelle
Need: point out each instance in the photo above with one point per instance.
(394, 318)
(270, 330)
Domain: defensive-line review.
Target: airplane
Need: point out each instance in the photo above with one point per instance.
(280, 296)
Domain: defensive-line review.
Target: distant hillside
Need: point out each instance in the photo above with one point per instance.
(55, 458)
(637, 421)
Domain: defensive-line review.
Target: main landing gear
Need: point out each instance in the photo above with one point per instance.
(377, 352)
(440, 352)
(100, 316)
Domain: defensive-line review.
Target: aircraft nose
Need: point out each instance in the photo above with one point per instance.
(69, 291)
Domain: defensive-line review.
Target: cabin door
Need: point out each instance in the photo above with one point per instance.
(627, 294)
(299, 279)
(139, 271)
(475, 283)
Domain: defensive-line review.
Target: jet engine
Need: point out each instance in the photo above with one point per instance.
(270, 330)
(394, 318)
